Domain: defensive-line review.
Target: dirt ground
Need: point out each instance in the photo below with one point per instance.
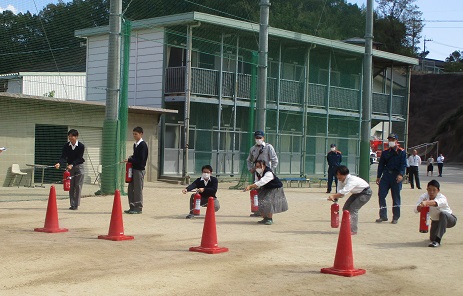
(282, 259)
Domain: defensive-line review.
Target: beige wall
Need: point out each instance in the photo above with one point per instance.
(18, 117)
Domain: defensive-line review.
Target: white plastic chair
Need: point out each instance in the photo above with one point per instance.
(15, 170)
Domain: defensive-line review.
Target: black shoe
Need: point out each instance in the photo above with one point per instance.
(189, 216)
(381, 220)
(73, 208)
(255, 215)
(127, 211)
(328, 191)
(419, 187)
(394, 221)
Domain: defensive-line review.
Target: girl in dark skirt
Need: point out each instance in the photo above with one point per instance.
(272, 198)
(430, 166)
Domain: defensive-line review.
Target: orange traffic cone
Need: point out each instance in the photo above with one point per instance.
(209, 240)
(344, 260)
(116, 226)
(51, 218)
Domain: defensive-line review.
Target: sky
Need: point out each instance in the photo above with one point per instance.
(443, 22)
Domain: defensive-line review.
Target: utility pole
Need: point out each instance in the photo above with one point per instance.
(364, 170)
(263, 65)
(110, 157)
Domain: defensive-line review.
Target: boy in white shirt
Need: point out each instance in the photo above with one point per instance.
(361, 194)
(439, 211)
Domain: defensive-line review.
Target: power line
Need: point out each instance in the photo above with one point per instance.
(442, 21)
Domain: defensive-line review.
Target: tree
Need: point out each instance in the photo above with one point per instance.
(454, 63)
(399, 26)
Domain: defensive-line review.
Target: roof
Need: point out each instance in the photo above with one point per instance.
(199, 17)
(132, 109)
(22, 74)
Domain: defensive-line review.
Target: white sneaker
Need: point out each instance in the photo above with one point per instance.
(434, 244)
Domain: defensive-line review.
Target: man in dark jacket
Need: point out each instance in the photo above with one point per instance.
(334, 159)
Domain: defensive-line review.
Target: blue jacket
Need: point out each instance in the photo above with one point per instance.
(394, 161)
(334, 158)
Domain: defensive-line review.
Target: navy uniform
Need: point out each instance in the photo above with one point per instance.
(391, 165)
(334, 159)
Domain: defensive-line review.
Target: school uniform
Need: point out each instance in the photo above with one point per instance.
(271, 195)
(135, 188)
(210, 190)
(441, 215)
(74, 155)
(361, 194)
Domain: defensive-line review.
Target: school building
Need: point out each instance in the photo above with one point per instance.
(314, 91)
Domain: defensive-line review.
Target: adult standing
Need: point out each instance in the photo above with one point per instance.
(440, 163)
(261, 151)
(334, 159)
(72, 157)
(391, 170)
(430, 167)
(414, 161)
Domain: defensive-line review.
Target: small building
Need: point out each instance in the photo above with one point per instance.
(205, 66)
(64, 85)
(34, 130)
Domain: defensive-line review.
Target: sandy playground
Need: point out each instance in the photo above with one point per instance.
(282, 259)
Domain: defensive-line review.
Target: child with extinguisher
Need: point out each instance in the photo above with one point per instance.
(272, 199)
(138, 161)
(72, 157)
(439, 211)
(361, 194)
(206, 186)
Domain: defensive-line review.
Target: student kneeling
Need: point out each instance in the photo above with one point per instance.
(206, 186)
(439, 211)
(361, 194)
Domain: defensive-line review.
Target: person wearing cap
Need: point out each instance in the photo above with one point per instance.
(334, 159)
(391, 170)
(261, 151)
(439, 211)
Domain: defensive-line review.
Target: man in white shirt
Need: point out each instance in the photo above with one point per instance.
(439, 211)
(361, 194)
(440, 164)
(414, 161)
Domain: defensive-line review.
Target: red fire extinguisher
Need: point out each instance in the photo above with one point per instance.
(66, 180)
(197, 204)
(254, 200)
(424, 219)
(335, 214)
(128, 172)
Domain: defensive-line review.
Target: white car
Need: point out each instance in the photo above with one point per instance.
(373, 157)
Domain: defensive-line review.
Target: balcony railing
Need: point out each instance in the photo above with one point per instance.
(205, 82)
